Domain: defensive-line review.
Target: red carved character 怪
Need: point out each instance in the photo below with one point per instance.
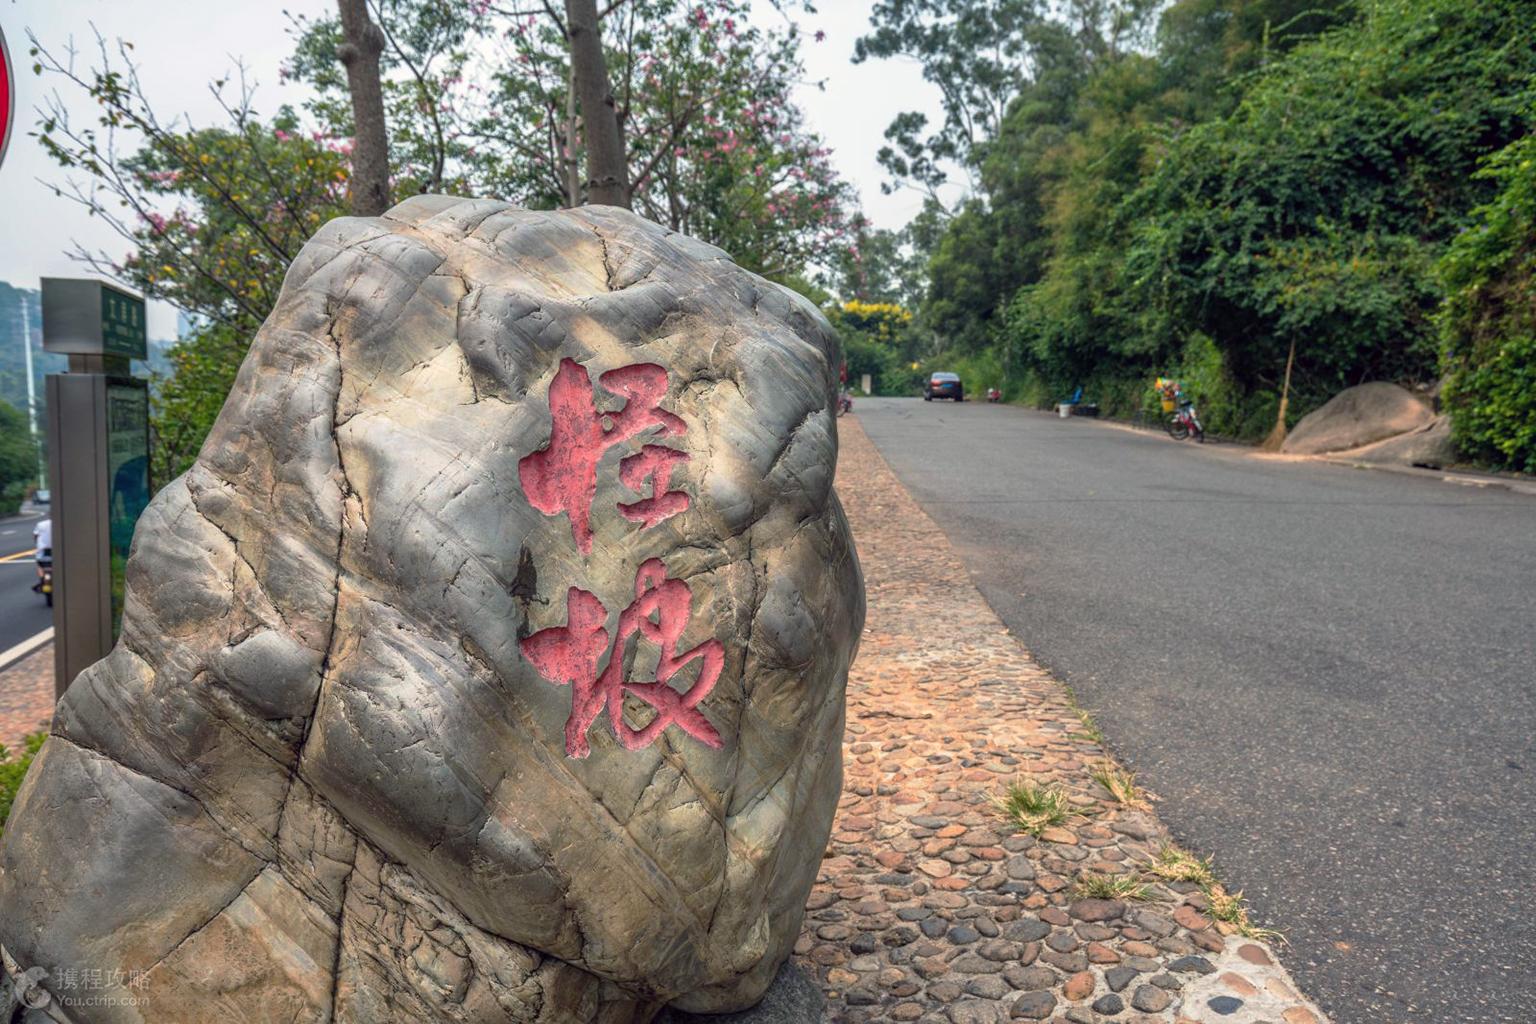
(562, 477)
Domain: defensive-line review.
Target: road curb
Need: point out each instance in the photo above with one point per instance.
(1461, 477)
(25, 648)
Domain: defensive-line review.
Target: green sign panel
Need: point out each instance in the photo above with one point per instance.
(127, 476)
(122, 324)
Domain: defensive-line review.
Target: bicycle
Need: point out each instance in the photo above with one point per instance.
(1184, 423)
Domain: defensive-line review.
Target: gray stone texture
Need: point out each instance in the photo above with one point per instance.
(1430, 445)
(793, 998)
(317, 779)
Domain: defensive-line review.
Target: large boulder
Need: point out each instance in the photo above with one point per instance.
(488, 665)
(1357, 416)
(1430, 445)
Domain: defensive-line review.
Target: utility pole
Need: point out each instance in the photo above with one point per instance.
(26, 345)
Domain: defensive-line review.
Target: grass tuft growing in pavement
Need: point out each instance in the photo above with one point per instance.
(1091, 732)
(1120, 783)
(1033, 808)
(1092, 885)
(1233, 910)
(1177, 866)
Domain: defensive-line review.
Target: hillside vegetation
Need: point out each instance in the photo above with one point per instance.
(1194, 192)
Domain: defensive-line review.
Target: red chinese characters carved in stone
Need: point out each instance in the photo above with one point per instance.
(568, 656)
(654, 461)
(563, 476)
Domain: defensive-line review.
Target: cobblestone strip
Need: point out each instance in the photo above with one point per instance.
(26, 697)
(929, 907)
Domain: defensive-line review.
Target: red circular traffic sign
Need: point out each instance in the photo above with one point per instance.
(7, 96)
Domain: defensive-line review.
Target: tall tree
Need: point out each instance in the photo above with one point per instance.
(359, 52)
(607, 164)
(716, 146)
(977, 55)
(981, 55)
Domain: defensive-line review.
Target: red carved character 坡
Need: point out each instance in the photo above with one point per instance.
(568, 656)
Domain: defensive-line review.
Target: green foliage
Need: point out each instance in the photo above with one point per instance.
(883, 321)
(1316, 209)
(982, 56)
(968, 274)
(879, 266)
(14, 770)
(478, 101)
(18, 458)
(213, 216)
(1488, 325)
(184, 403)
(888, 374)
(877, 338)
(1493, 406)
(1276, 170)
(1225, 408)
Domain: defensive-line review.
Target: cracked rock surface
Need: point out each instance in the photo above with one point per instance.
(319, 777)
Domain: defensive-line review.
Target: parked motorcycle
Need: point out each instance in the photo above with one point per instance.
(844, 403)
(994, 395)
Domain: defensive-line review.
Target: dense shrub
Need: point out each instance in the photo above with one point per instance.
(877, 339)
(1488, 325)
(1317, 209)
(1196, 214)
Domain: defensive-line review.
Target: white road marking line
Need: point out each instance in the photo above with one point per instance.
(25, 648)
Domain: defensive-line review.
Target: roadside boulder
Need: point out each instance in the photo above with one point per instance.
(1357, 416)
(487, 666)
(1429, 445)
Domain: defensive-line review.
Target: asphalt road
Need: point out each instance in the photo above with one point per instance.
(22, 613)
(1328, 677)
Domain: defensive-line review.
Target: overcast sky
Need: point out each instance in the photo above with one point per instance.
(182, 45)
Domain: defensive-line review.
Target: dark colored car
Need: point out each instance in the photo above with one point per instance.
(943, 385)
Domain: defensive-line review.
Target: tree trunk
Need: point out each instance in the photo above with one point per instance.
(572, 162)
(607, 164)
(362, 42)
(1276, 437)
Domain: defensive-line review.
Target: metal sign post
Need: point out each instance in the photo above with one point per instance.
(98, 462)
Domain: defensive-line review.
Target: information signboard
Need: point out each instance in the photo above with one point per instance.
(122, 324)
(127, 476)
(84, 316)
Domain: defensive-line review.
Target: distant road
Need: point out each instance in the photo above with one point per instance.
(1328, 676)
(22, 613)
